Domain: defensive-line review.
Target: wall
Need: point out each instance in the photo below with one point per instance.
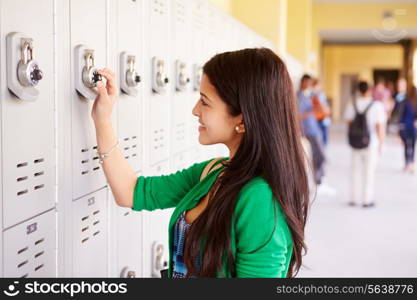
(359, 60)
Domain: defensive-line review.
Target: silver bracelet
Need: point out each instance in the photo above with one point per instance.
(102, 156)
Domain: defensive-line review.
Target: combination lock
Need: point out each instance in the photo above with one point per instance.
(28, 71)
(85, 72)
(90, 75)
(132, 78)
(159, 78)
(22, 71)
(182, 78)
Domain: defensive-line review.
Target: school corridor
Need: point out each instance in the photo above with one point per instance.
(379, 241)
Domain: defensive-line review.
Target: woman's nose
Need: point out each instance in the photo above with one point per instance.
(195, 110)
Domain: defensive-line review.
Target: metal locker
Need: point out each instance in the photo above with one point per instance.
(88, 37)
(198, 55)
(156, 82)
(181, 73)
(29, 248)
(155, 233)
(27, 109)
(89, 238)
(125, 241)
(127, 56)
(180, 161)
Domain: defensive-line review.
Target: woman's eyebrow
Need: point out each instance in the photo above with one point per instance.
(205, 96)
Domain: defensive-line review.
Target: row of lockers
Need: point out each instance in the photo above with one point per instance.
(58, 215)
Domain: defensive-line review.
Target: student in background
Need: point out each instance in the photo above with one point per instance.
(364, 160)
(322, 110)
(310, 127)
(408, 129)
(383, 94)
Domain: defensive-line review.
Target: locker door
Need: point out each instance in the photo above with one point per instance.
(29, 248)
(27, 113)
(157, 81)
(155, 233)
(89, 235)
(126, 242)
(128, 59)
(181, 63)
(87, 30)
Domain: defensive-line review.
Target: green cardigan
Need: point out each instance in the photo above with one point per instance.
(260, 249)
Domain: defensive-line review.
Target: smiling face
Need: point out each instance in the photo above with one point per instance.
(217, 125)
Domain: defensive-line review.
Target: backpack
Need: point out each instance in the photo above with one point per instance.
(359, 135)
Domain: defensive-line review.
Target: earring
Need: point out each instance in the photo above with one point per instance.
(237, 129)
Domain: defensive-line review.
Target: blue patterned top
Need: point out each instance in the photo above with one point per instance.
(180, 229)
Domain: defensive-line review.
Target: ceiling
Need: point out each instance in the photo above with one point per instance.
(340, 36)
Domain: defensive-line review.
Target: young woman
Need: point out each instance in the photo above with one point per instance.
(246, 218)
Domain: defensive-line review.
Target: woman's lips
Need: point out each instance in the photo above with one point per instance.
(200, 128)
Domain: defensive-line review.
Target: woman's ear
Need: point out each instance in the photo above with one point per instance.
(240, 128)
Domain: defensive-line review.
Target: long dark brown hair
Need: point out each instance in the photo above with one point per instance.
(256, 83)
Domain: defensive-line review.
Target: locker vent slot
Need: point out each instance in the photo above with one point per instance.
(22, 264)
(22, 165)
(39, 160)
(38, 267)
(84, 161)
(96, 222)
(84, 218)
(22, 250)
(22, 178)
(22, 192)
(96, 168)
(39, 254)
(84, 240)
(126, 214)
(24, 276)
(84, 229)
(96, 212)
(84, 150)
(39, 186)
(97, 232)
(84, 172)
(39, 174)
(39, 241)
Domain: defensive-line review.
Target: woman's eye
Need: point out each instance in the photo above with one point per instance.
(203, 102)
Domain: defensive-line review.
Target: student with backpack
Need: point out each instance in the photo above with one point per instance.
(366, 122)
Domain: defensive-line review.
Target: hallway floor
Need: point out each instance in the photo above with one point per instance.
(346, 241)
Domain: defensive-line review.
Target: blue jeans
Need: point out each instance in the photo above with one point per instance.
(324, 132)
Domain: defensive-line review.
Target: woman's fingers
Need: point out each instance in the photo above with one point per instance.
(110, 78)
(102, 91)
